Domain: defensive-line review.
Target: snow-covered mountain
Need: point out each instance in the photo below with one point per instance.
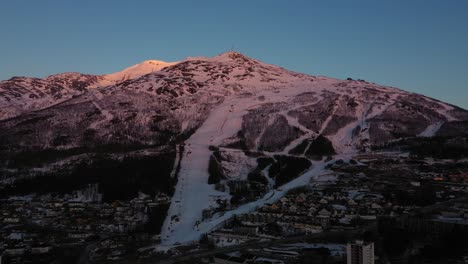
(156, 101)
(21, 94)
(237, 118)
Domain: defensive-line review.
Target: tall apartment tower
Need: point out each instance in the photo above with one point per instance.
(360, 252)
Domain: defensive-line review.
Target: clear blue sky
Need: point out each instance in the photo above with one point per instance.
(417, 45)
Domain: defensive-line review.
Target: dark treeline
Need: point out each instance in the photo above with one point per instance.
(156, 217)
(435, 147)
(117, 179)
(439, 247)
(38, 157)
(287, 168)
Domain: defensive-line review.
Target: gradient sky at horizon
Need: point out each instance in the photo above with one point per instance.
(419, 46)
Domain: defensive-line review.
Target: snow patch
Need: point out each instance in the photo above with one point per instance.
(431, 130)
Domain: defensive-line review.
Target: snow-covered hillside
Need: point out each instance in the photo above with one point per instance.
(238, 119)
(22, 94)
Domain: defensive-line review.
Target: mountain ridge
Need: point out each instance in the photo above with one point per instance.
(21, 94)
(208, 80)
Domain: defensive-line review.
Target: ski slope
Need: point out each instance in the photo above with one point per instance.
(193, 193)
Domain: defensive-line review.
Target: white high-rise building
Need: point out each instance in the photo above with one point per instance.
(360, 252)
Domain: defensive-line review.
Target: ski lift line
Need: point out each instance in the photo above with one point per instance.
(225, 149)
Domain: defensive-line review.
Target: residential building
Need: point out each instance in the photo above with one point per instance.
(360, 252)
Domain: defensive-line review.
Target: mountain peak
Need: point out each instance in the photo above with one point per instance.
(137, 70)
(232, 56)
(154, 62)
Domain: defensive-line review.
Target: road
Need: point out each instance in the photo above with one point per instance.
(437, 206)
(254, 244)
